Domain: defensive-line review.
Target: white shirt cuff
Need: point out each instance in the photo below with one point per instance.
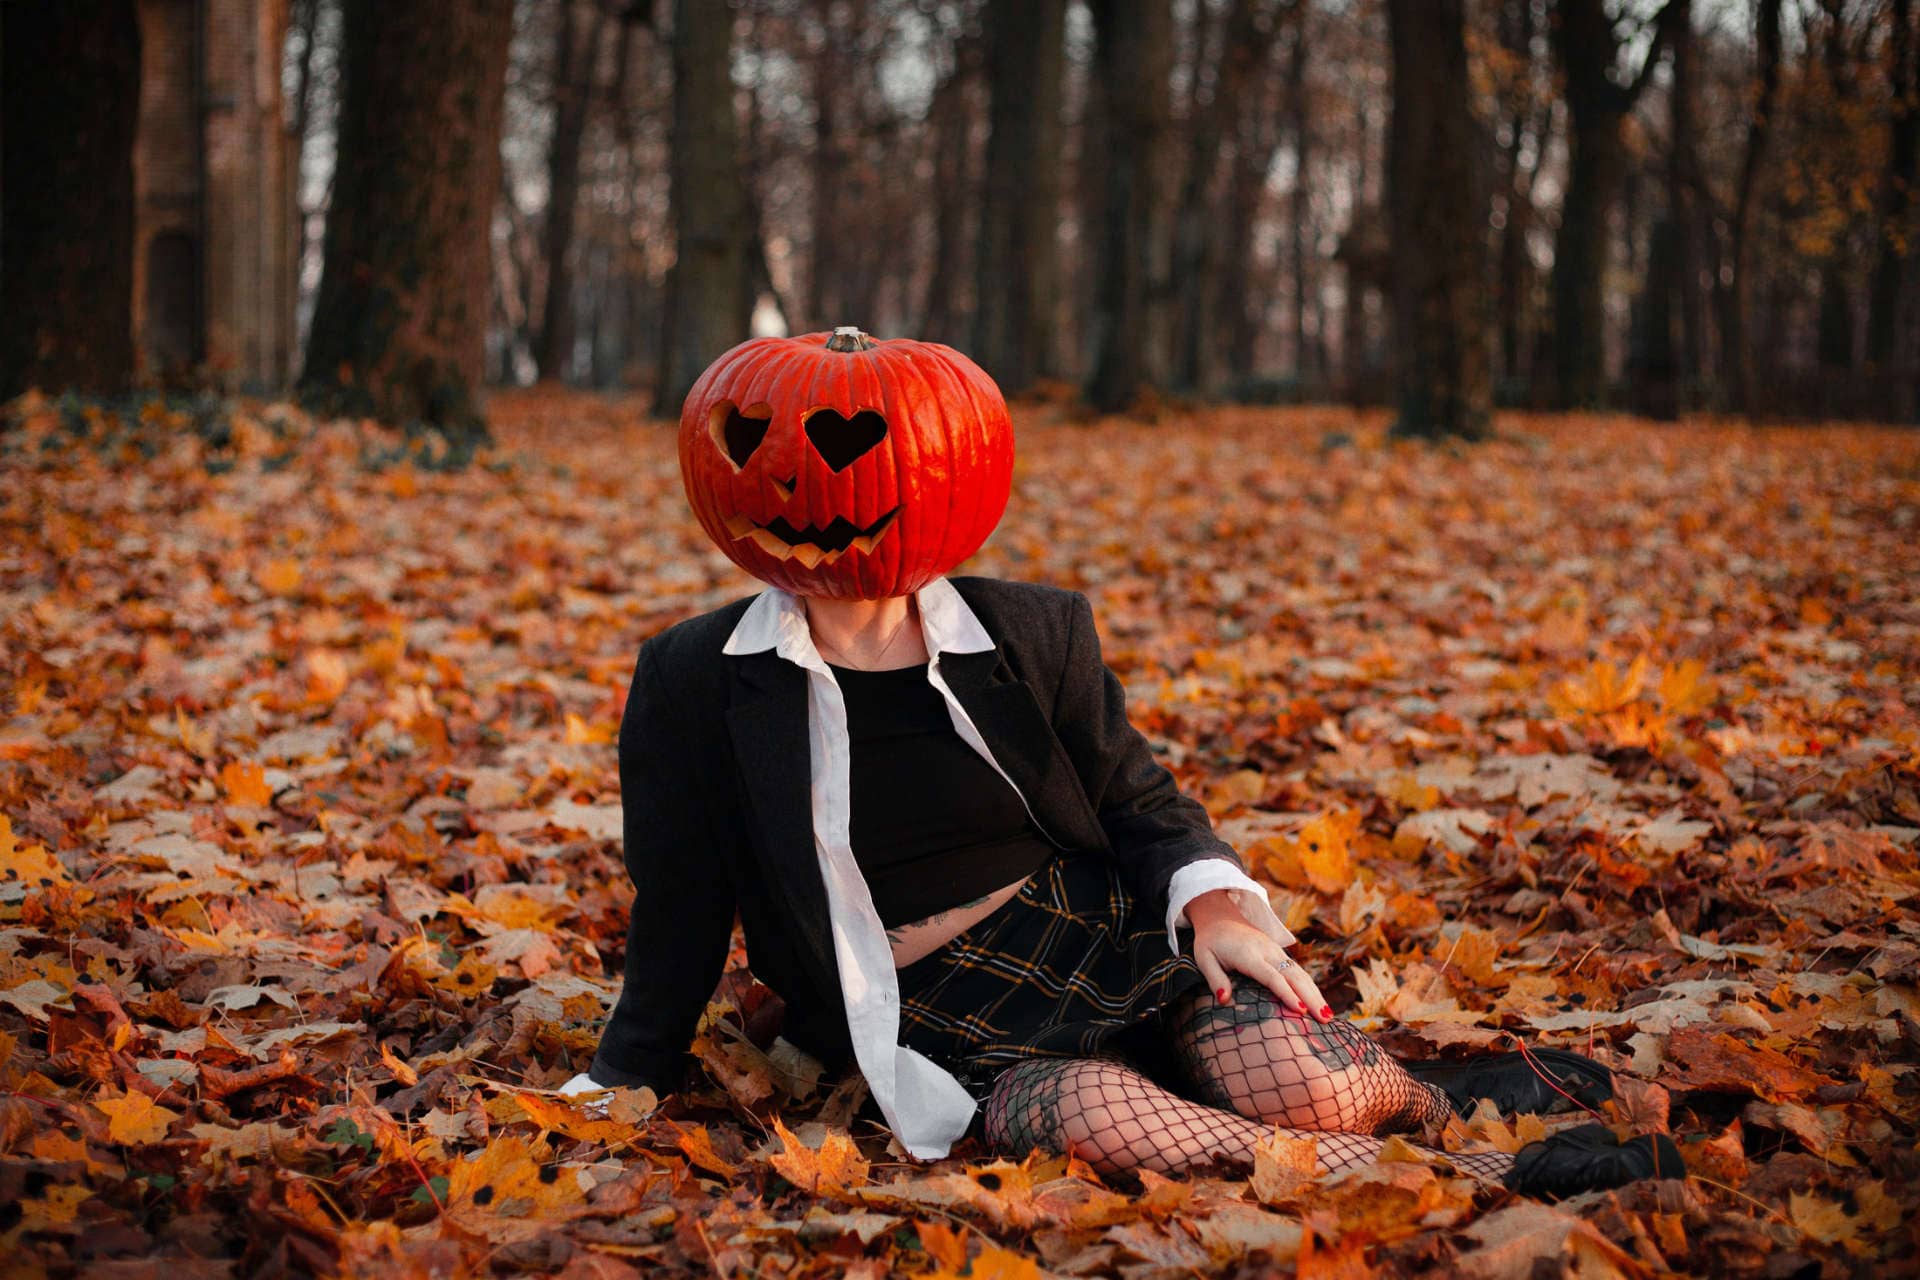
(1196, 878)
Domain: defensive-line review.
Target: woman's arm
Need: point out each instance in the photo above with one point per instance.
(683, 906)
(1162, 838)
(1154, 830)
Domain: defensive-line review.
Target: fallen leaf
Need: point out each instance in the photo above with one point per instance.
(833, 1169)
(135, 1118)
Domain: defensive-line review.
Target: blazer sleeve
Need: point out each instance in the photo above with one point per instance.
(682, 919)
(1153, 829)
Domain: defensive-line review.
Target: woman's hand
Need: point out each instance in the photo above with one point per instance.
(1223, 943)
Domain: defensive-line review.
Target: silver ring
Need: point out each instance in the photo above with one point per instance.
(1284, 962)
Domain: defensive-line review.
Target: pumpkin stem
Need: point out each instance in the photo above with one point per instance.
(847, 337)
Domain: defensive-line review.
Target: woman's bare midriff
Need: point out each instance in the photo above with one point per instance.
(924, 937)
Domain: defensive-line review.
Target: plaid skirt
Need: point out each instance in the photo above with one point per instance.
(1069, 967)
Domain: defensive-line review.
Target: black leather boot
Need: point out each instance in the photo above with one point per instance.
(1516, 1082)
(1590, 1158)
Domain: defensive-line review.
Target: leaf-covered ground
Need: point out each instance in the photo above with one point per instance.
(1601, 735)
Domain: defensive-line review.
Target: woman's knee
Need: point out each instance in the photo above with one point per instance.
(1060, 1105)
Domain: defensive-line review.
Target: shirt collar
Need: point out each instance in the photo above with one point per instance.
(777, 620)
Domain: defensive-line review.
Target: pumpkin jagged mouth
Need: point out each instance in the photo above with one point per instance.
(811, 546)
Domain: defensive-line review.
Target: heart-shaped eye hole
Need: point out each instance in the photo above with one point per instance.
(841, 441)
(737, 431)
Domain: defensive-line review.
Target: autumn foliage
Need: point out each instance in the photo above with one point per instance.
(1595, 734)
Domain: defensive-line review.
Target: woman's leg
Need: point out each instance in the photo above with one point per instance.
(1263, 1063)
(1116, 1119)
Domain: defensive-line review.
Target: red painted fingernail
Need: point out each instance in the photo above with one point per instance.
(1221, 995)
(1326, 1013)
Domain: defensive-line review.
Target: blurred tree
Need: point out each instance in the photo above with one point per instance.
(1134, 61)
(1301, 255)
(574, 60)
(1245, 44)
(1599, 98)
(1682, 183)
(1890, 315)
(70, 97)
(1522, 121)
(1441, 333)
(1664, 356)
(710, 293)
(1018, 261)
(945, 313)
(1736, 322)
(1241, 304)
(399, 323)
(1838, 91)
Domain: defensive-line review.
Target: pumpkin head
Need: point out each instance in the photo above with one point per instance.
(835, 465)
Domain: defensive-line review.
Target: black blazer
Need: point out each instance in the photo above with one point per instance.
(714, 777)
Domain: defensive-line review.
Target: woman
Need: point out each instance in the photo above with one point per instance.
(951, 854)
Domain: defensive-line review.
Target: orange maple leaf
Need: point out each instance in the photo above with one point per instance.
(995, 1263)
(1601, 688)
(697, 1145)
(1320, 859)
(30, 864)
(246, 784)
(944, 1244)
(833, 1169)
(135, 1118)
(278, 577)
(508, 1189)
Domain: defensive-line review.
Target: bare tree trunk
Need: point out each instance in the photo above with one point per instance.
(1259, 139)
(1090, 199)
(1665, 331)
(1736, 323)
(1835, 332)
(1891, 305)
(399, 326)
(1682, 182)
(513, 287)
(1196, 265)
(1439, 294)
(573, 67)
(1134, 58)
(70, 99)
(761, 270)
(1587, 48)
(826, 301)
(1516, 270)
(1299, 202)
(305, 23)
(943, 317)
(710, 294)
(1018, 263)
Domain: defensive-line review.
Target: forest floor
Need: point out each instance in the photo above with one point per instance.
(1603, 734)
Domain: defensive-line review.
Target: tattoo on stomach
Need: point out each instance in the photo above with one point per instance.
(949, 924)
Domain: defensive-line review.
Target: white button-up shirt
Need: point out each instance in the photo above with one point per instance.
(922, 1102)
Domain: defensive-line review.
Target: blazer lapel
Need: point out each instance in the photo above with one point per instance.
(1018, 733)
(768, 722)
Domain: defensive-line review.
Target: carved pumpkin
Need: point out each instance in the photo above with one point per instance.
(837, 465)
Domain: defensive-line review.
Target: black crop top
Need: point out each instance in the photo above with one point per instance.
(934, 825)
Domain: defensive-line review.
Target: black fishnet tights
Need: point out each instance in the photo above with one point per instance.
(1257, 1067)
(1116, 1119)
(1258, 1060)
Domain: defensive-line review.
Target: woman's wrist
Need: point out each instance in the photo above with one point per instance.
(1213, 907)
